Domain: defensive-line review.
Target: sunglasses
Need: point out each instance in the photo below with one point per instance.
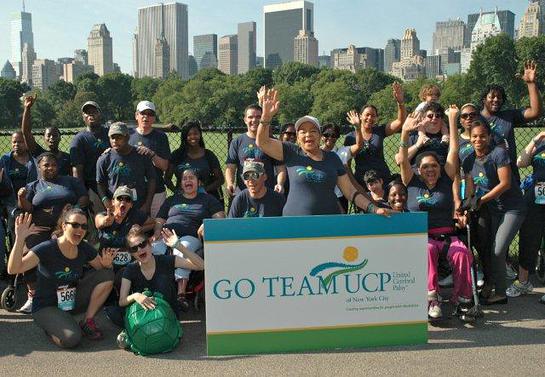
(468, 115)
(328, 135)
(436, 116)
(125, 199)
(78, 225)
(251, 175)
(289, 133)
(141, 245)
(148, 113)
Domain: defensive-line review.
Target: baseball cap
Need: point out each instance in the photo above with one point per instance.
(309, 119)
(122, 191)
(90, 103)
(118, 128)
(145, 105)
(254, 166)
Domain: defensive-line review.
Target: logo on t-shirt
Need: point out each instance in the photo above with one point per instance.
(311, 175)
(121, 169)
(50, 189)
(252, 151)
(539, 159)
(251, 212)
(100, 144)
(183, 167)
(481, 179)
(426, 198)
(66, 274)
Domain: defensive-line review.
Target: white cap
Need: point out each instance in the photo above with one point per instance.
(145, 105)
(309, 119)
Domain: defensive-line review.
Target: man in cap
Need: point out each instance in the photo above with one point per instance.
(85, 149)
(256, 200)
(152, 143)
(52, 139)
(245, 148)
(123, 165)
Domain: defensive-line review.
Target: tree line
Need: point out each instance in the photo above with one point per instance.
(218, 100)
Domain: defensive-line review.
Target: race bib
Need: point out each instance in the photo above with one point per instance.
(539, 190)
(122, 258)
(66, 297)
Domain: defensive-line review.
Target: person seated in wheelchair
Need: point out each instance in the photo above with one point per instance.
(114, 225)
(431, 189)
(7, 204)
(151, 272)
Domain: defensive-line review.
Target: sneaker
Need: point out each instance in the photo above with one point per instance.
(434, 310)
(542, 300)
(27, 306)
(480, 279)
(183, 303)
(517, 288)
(90, 329)
(123, 340)
(446, 282)
(510, 273)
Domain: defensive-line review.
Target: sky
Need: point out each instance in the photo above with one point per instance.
(61, 26)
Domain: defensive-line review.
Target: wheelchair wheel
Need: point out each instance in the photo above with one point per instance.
(9, 299)
(540, 266)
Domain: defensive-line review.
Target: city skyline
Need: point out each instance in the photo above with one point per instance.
(335, 26)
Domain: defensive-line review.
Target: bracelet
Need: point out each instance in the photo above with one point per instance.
(104, 198)
(371, 208)
(265, 122)
(154, 154)
(355, 195)
(402, 144)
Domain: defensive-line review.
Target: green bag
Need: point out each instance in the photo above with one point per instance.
(152, 331)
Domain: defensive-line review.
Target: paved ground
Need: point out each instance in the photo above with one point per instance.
(510, 341)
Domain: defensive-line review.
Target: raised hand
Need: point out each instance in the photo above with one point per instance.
(270, 105)
(413, 122)
(399, 95)
(108, 255)
(262, 92)
(169, 237)
(24, 226)
(29, 101)
(353, 117)
(539, 137)
(530, 68)
(453, 111)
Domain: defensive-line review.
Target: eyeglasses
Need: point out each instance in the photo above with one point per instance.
(126, 199)
(435, 115)
(251, 175)
(468, 115)
(78, 225)
(141, 245)
(328, 135)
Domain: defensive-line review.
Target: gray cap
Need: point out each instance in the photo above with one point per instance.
(90, 103)
(122, 191)
(308, 119)
(255, 166)
(118, 128)
(145, 105)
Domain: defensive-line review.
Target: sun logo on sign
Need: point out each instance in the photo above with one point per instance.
(350, 254)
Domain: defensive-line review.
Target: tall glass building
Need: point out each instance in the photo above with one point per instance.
(21, 33)
(205, 50)
(282, 24)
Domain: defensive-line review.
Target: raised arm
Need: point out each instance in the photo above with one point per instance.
(270, 146)
(411, 123)
(525, 158)
(354, 119)
(399, 96)
(26, 126)
(18, 263)
(190, 260)
(452, 165)
(536, 106)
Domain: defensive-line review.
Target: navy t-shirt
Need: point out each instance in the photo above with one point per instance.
(115, 234)
(312, 183)
(371, 156)
(19, 174)
(485, 178)
(6, 187)
(132, 169)
(63, 160)
(48, 198)
(466, 148)
(271, 204)
(162, 280)
(55, 270)
(433, 145)
(157, 141)
(203, 166)
(438, 201)
(185, 216)
(538, 172)
(85, 149)
(244, 148)
(502, 125)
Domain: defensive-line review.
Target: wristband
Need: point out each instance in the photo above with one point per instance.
(265, 122)
(104, 198)
(402, 144)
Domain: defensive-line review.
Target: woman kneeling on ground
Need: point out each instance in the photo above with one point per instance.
(62, 287)
(431, 191)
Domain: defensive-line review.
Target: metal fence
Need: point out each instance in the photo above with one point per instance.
(218, 140)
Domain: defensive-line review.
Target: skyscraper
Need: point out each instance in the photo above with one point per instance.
(532, 23)
(27, 56)
(81, 56)
(354, 58)
(506, 18)
(305, 48)
(392, 53)
(99, 47)
(8, 72)
(44, 73)
(162, 58)
(410, 44)
(412, 63)
(488, 24)
(205, 50)
(228, 54)
(246, 46)
(169, 20)
(449, 34)
(282, 24)
(21, 33)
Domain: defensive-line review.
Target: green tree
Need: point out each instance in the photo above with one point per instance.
(371, 81)
(10, 103)
(295, 100)
(144, 88)
(87, 82)
(292, 72)
(70, 115)
(115, 96)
